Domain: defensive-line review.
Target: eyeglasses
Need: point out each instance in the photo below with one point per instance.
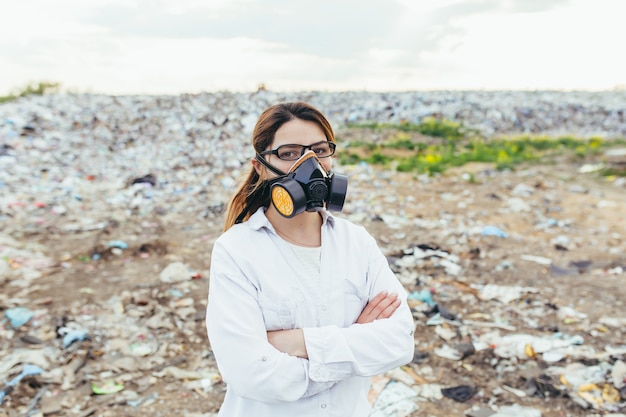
(291, 152)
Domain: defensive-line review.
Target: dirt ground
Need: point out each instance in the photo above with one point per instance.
(401, 211)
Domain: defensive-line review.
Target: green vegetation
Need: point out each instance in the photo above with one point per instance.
(433, 146)
(31, 89)
(445, 129)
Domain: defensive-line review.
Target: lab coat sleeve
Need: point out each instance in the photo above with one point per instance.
(336, 353)
(248, 363)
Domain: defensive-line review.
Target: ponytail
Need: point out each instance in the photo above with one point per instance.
(250, 195)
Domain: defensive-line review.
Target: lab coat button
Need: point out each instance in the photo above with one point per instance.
(323, 405)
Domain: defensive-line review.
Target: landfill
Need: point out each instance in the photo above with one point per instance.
(109, 207)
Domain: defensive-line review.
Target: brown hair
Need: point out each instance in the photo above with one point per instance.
(253, 191)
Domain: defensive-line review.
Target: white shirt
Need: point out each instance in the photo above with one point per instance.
(257, 284)
(309, 258)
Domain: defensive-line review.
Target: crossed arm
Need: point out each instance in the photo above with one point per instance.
(292, 341)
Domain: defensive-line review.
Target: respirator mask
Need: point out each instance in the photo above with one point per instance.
(306, 187)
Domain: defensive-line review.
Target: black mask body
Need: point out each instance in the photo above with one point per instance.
(306, 187)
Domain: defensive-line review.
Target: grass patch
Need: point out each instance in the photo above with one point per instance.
(614, 172)
(39, 89)
(433, 146)
(429, 126)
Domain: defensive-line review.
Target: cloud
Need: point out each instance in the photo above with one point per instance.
(466, 8)
(169, 46)
(323, 27)
(444, 28)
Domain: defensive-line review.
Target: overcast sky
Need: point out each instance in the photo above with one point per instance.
(178, 46)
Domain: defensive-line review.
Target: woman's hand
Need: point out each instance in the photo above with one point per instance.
(380, 307)
(290, 342)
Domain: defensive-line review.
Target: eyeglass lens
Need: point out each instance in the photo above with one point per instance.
(293, 152)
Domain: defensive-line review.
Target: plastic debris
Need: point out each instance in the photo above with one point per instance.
(479, 412)
(493, 231)
(448, 352)
(108, 387)
(504, 294)
(395, 400)
(538, 259)
(618, 374)
(118, 244)
(74, 335)
(460, 393)
(619, 322)
(524, 346)
(176, 272)
(569, 315)
(28, 370)
(18, 316)
(424, 295)
(516, 410)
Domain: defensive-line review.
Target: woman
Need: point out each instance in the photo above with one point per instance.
(303, 307)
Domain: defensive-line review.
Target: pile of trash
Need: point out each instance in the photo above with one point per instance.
(548, 359)
(116, 351)
(57, 365)
(109, 207)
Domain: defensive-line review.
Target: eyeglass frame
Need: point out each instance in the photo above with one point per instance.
(331, 145)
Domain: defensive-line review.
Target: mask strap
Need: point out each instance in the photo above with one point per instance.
(239, 218)
(267, 184)
(269, 166)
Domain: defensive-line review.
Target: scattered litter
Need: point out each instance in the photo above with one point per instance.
(504, 294)
(516, 410)
(176, 272)
(446, 333)
(107, 387)
(517, 205)
(518, 392)
(493, 231)
(460, 393)
(28, 370)
(424, 295)
(589, 168)
(18, 316)
(73, 335)
(537, 259)
(618, 322)
(525, 346)
(477, 411)
(103, 177)
(448, 352)
(618, 374)
(118, 244)
(569, 315)
(395, 400)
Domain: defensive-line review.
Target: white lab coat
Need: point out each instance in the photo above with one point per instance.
(257, 284)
